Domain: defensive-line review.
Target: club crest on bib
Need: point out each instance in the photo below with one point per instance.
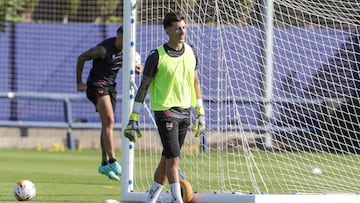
(169, 125)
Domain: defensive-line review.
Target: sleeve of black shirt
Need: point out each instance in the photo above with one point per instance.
(151, 63)
(196, 58)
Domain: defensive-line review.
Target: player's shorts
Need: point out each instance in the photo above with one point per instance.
(93, 93)
(172, 125)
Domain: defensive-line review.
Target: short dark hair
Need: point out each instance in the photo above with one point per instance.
(173, 17)
(119, 30)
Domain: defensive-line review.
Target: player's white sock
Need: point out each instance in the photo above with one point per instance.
(176, 192)
(154, 192)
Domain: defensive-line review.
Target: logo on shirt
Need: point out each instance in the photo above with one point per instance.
(169, 125)
(117, 60)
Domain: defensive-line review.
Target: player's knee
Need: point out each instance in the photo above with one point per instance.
(108, 121)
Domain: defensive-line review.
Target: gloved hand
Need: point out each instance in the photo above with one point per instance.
(132, 129)
(199, 123)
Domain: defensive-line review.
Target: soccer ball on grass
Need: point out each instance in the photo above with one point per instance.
(24, 190)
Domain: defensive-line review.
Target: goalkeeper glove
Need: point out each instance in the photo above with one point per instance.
(199, 123)
(132, 129)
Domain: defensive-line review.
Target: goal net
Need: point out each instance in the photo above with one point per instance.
(280, 82)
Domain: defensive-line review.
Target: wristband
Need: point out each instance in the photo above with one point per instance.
(199, 103)
(137, 107)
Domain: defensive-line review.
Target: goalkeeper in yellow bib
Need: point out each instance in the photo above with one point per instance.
(171, 74)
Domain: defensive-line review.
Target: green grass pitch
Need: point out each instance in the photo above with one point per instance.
(72, 176)
(68, 176)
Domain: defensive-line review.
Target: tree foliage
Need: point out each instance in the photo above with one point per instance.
(58, 10)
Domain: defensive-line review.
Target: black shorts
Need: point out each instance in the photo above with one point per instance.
(172, 125)
(93, 93)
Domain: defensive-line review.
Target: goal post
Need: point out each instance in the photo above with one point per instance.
(280, 82)
(128, 77)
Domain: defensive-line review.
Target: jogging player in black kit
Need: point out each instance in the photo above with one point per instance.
(101, 91)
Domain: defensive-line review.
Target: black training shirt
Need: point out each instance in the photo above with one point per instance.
(104, 71)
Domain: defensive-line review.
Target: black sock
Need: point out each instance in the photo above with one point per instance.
(104, 163)
(112, 160)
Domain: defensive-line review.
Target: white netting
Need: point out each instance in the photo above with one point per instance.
(308, 106)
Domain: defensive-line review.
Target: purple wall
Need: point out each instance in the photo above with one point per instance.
(44, 57)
